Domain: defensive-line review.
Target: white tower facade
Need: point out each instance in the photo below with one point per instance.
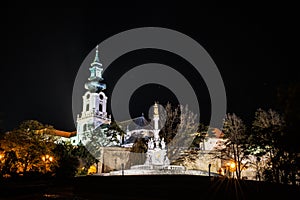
(94, 103)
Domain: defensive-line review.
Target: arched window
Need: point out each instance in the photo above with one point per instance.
(87, 107)
(100, 107)
(84, 127)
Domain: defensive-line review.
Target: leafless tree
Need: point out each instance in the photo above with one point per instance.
(232, 148)
(179, 130)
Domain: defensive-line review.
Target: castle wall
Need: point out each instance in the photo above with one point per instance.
(112, 159)
(202, 161)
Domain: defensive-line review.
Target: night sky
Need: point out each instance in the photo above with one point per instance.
(42, 50)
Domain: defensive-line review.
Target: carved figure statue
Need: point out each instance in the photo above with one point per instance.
(150, 144)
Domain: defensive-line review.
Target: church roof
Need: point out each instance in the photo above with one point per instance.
(136, 124)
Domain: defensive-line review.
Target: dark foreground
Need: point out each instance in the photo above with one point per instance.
(144, 188)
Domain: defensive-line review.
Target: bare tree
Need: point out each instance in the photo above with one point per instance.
(179, 130)
(232, 148)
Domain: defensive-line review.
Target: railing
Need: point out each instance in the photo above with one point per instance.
(159, 167)
(94, 114)
(142, 167)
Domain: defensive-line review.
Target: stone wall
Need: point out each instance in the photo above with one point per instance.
(203, 160)
(206, 158)
(112, 159)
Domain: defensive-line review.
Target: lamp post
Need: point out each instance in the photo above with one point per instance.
(47, 159)
(231, 168)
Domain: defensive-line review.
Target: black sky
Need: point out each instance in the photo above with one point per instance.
(42, 50)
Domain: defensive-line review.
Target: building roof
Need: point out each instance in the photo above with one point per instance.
(136, 124)
(56, 132)
(218, 133)
(64, 133)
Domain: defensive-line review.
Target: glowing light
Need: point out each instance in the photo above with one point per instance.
(92, 170)
(232, 165)
(47, 158)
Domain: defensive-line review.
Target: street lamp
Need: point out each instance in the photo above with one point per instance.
(47, 159)
(231, 167)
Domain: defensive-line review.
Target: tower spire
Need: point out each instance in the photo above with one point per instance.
(94, 81)
(96, 59)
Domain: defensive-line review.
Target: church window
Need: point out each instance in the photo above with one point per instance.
(84, 127)
(100, 107)
(101, 96)
(87, 107)
(88, 96)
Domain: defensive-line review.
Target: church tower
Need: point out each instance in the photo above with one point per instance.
(94, 103)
